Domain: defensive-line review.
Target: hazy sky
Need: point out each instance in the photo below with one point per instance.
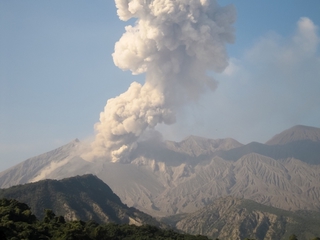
(56, 74)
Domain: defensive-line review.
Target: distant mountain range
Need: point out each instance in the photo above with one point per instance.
(166, 178)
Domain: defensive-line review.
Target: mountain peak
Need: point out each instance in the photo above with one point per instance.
(195, 138)
(296, 133)
(196, 146)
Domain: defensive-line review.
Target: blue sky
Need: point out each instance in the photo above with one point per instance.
(56, 74)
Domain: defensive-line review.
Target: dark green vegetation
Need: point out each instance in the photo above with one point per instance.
(17, 222)
(82, 197)
(231, 218)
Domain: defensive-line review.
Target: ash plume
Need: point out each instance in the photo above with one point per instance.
(175, 43)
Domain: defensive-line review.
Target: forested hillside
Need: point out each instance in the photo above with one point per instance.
(17, 222)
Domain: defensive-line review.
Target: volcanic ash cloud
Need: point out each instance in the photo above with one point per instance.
(174, 42)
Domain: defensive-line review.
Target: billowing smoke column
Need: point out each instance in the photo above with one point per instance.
(175, 42)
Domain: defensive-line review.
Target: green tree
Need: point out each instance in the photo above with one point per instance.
(48, 216)
(17, 222)
(293, 237)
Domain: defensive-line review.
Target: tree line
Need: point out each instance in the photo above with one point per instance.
(17, 222)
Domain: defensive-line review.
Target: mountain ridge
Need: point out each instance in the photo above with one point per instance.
(305, 150)
(163, 180)
(22, 171)
(295, 133)
(234, 218)
(83, 197)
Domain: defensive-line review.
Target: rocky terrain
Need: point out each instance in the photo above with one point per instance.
(230, 218)
(166, 178)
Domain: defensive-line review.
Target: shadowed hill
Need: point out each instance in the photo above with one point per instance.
(299, 142)
(305, 150)
(81, 197)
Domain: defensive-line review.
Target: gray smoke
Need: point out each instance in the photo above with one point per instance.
(175, 43)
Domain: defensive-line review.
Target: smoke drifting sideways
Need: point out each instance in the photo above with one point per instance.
(175, 43)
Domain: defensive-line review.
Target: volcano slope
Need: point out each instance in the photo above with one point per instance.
(165, 178)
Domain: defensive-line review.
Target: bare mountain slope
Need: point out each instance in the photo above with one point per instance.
(191, 150)
(296, 133)
(39, 165)
(160, 189)
(253, 176)
(231, 218)
(305, 150)
(164, 178)
(196, 146)
(299, 142)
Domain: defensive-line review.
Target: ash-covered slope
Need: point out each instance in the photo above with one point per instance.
(164, 178)
(43, 164)
(296, 133)
(257, 177)
(196, 146)
(231, 218)
(82, 197)
(191, 150)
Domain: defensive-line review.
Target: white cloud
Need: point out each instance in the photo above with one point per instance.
(285, 54)
(275, 85)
